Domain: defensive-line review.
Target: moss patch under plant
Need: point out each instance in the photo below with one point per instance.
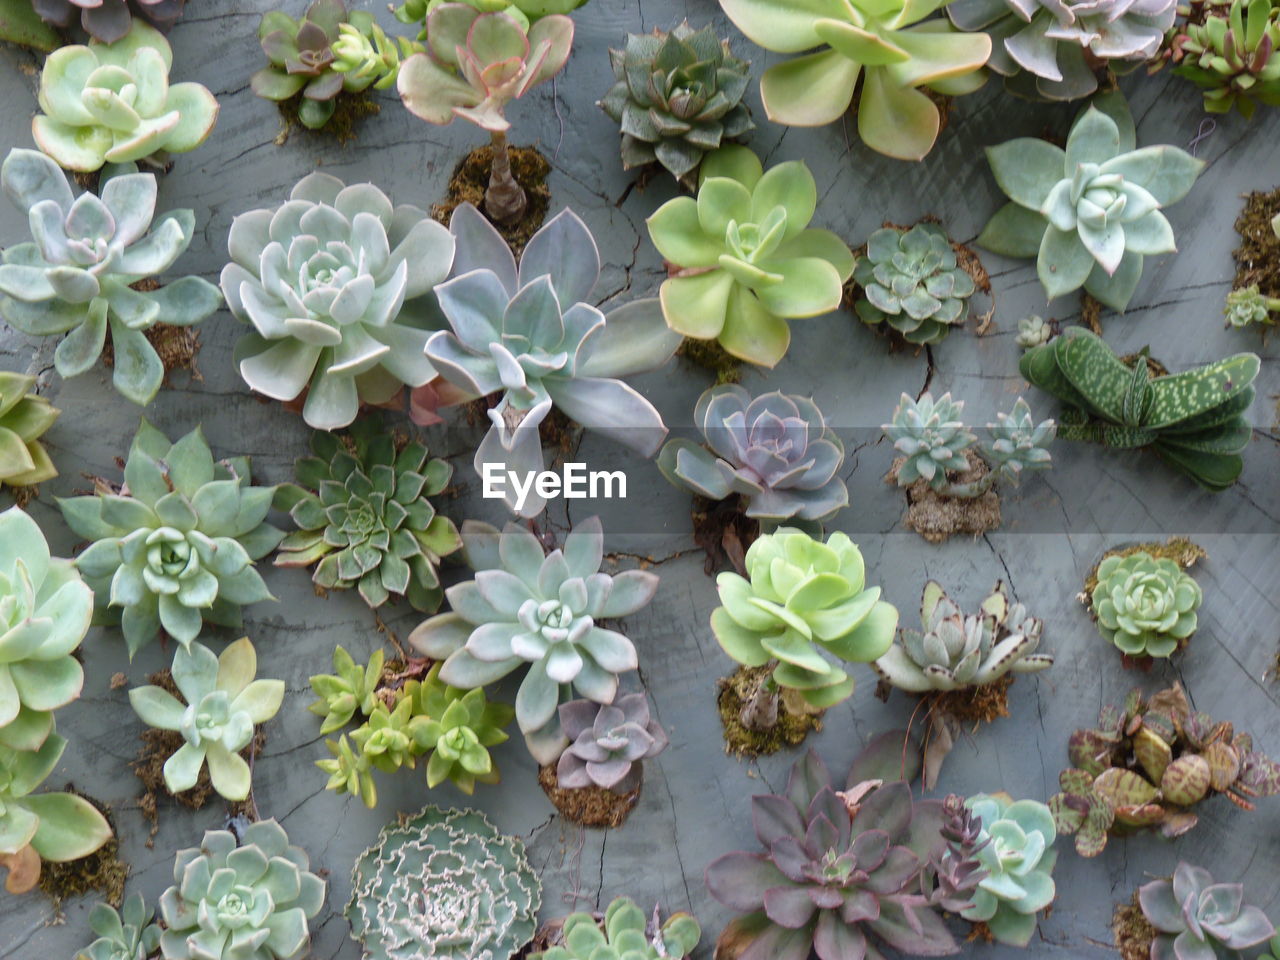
(795, 720)
(588, 806)
(709, 355)
(176, 346)
(1258, 255)
(102, 871)
(349, 110)
(1133, 934)
(724, 532)
(470, 179)
(1178, 549)
(937, 517)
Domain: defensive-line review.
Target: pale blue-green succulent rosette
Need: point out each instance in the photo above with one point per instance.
(1019, 861)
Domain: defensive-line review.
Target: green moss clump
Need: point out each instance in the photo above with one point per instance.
(794, 721)
(470, 179)
(1178, 549)
(349, 110)
(709, 355)
(101, 871)
(1258, 255)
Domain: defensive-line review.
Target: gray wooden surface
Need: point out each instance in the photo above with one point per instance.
(695, 805)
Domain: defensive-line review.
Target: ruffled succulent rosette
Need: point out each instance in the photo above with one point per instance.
(527, 609)
(774, 450)
(1089, 214)
(1050, 49)
(108, 20)
(77, 276)
(178, 549)
(335, 284)
(1015, 849)
(113, 103)
(1146, 606)
(742, 259)
(484, 894)
(24, 418)
(1195, 917)
(223, 704)
(528, 334)
(607, 743)
(250, 901)
(885, 44)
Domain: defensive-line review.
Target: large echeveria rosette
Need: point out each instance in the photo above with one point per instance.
(443, 885)
(335, 284)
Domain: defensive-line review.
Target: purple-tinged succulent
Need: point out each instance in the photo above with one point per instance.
(775, 451)
(954, 871)
(109, 20)
(1197, 919)
(607, 743)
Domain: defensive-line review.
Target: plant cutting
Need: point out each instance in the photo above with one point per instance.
(25, 417)
(961, 666)
(475, 64)
(900, 55)
(804, 604)
(484, 894)
(337, 318)
(677, 96)
(107, 20)
(365, 519)
(175, 546)
(1145, 605)
(1089, 214)
(1230, 53)
(623, 934)
(1194, 916)
(113, 103)
(742, 259)
(1249, 305)
(1194, 420)
(82, 272)
(1148, 764)
(950, 476)
(1034, 331)
(527, 335)
(223, 704)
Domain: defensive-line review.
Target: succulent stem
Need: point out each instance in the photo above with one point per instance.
(971, 490)
(505, 199)
(760, 713)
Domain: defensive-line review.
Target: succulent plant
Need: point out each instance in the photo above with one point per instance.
(369, 57)
(1091, 212)
(484, 895)
(804, 598)
(1273, 949)
(246, 902)
(476, 63)
(625, 936)
(607, 743)
(1033, 331)
(775, 451)
(955, 651)
(24, 418)
(350, 688)
(529, 336)
(113, 103)
(1198, 919)
(678, 96)
(324, 280)
(887, 44)
(1018, 860)
(176, 546)
(525, 607)
(911, 280)
(365, 518)
(23, 27)
(933, 439)
(223, 704)
(131, 934)
(1050, 49)
(79, 274)
(1145, 605)
(1231, 55)
(458, 727)
(1249, 305)
(45, 609)
(523, 12)
(742, 258)
(303, 59)
(1194, 420)
(1148, 764)
(109, 20)
(950, 879)
(836, 871)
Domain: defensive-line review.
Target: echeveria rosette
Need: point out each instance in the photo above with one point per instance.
(931, 436)
(1018, 857)
(742, 258)
(1051, 49)
(457, 727)
(24, 418)
(483, 894)
(348, 689)
(113, 103)
(523, 12)
(775, 451)
(1233, 58)
(804, 599)
(45, 611)
(528, 334)
(832, 881)
(607, 743)
(677, 96)
(528, 608)
(223, 704)
(885, 44)
(246, 902)
(1089, 214)
(108, 20)
(625, 936)
(1198, 919)
(365, 518)
(177, 549)
(130, 934)
(1146, 606)
(77, 276)
(324, 280)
